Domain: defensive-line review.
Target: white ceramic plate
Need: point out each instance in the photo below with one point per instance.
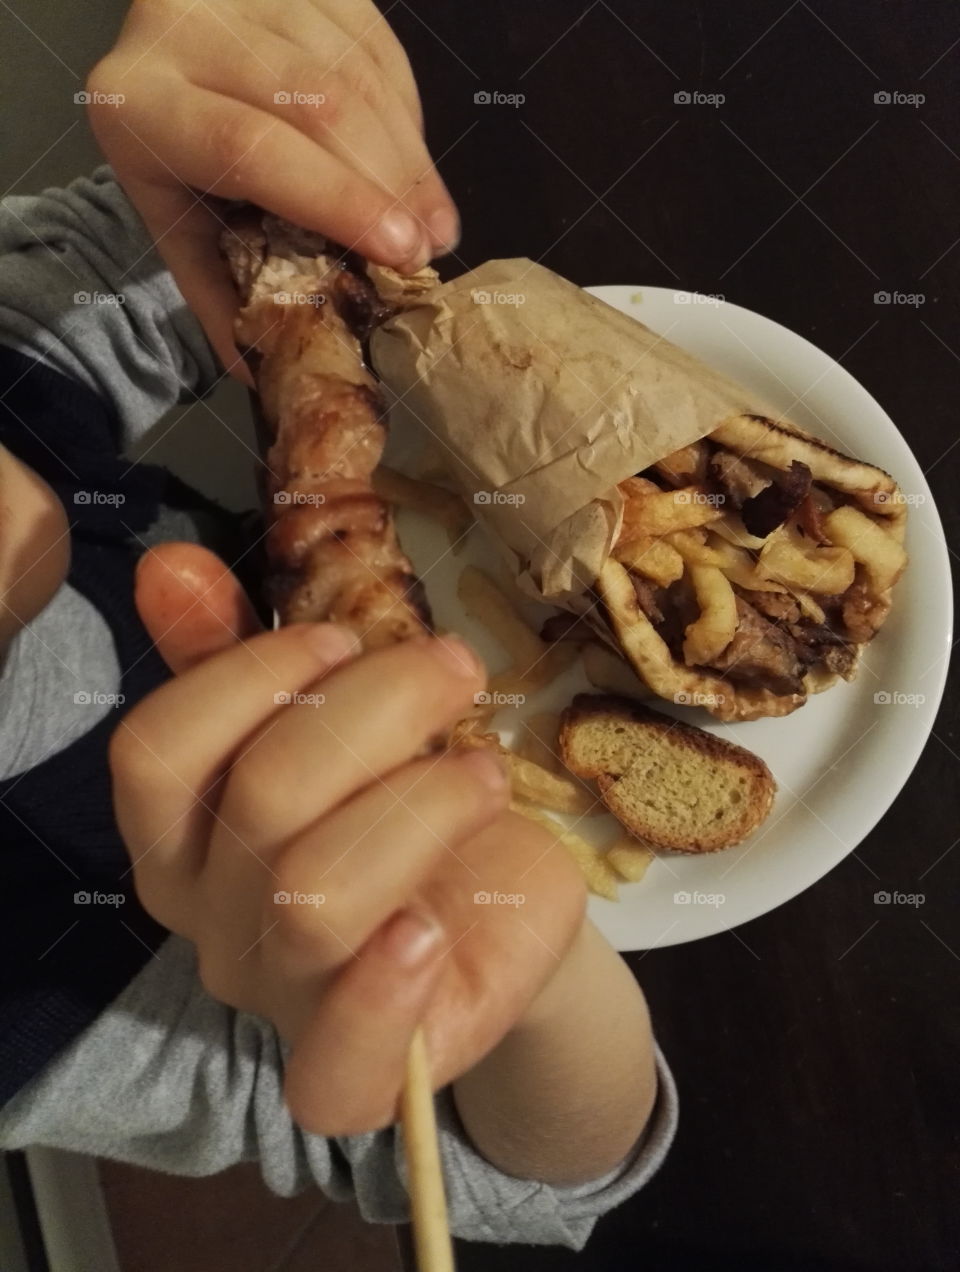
(840, 760)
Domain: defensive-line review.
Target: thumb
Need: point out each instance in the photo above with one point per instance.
(186, 232)
(359, 1032)
(191, 604)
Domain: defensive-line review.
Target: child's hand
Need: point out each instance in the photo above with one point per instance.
(231, 800)
(308, 109)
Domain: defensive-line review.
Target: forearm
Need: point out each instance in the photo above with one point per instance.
(566, 1095)
(82, 288)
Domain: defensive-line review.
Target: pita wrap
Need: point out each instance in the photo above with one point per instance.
(545, 401)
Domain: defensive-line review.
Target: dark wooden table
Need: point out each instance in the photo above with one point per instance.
(818, 1068)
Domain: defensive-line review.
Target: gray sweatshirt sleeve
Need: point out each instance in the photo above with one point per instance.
(83, 289)
(170, 1079)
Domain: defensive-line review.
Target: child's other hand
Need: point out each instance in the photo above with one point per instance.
(307, 108)
(232, 800)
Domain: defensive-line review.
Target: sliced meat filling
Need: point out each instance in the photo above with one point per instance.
(810, 513)
(739, 479)
(688, 466)
(770, 507)
(764, 496)
(819, 643)
(761, 654)
(773, 605)
(646, 594)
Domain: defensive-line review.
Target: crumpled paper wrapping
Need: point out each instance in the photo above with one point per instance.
(543, 398)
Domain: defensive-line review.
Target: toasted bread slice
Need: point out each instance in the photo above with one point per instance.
(672, 785)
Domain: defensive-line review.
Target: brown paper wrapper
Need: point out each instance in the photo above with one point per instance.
(543, 398)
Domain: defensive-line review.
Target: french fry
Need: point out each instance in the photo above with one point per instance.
(730, 527)
(433, 501)
(486, 602)
(709, 635)
(651, 513)
(737, 563)
(809, 607)
(867, 542)
(655, 559)
(538, 740)
(528, 681)
(896, 528)
(559, 656)
(536, 785)
(478, 722)
(827, 571)
(599, 876)
(730, 554)
(751, 578)
(607, 670)
(558, 792)
(693, 547)
(629, 857)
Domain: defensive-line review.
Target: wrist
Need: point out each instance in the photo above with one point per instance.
(555, 997)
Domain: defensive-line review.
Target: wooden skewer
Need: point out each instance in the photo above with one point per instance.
(428, 1205)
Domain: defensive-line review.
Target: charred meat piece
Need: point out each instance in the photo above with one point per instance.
(357, 301)
(646, 597)
(687, 466)
(680, 608)
(819, 643)
(770, 507)
(810, 512)
(761, 654)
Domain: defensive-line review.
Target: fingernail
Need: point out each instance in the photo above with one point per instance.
(330, 641)
(444, 226)
(488, 767)
(455, 654)
(399, 234)
(410, 937)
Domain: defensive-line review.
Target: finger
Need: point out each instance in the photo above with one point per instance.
(376, 850)
(186, 232)
(367, 29)
(191, 604)
(359, 1035)
(340, 99)
(170, 750)
(373, 715)
(512, 921)
(372, 133)
(239, 152)
(379, 129)
(388, 53)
